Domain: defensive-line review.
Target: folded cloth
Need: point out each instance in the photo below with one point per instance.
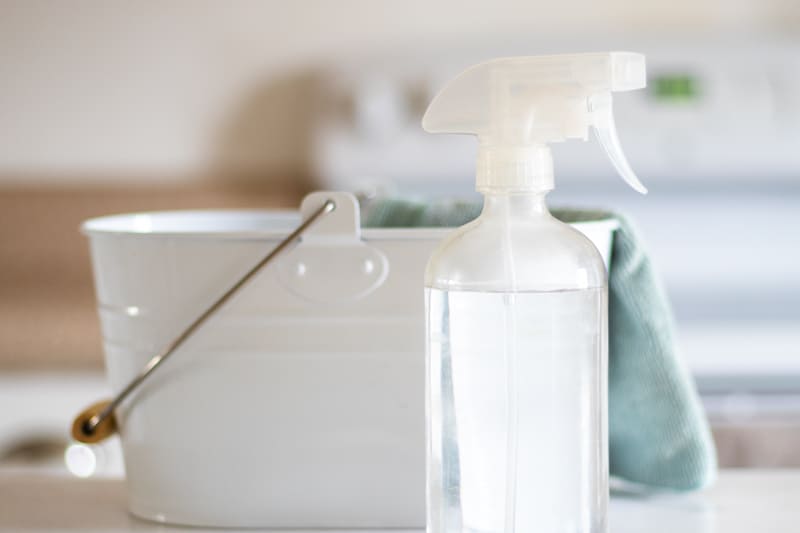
(658, 433)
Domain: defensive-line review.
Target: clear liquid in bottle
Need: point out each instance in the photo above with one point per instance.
(516, 411)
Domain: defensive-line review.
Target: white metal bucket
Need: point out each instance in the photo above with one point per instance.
(300, 404)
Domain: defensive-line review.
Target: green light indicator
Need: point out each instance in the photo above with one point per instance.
(674, 88)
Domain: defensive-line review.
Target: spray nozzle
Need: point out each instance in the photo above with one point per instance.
(516, 106)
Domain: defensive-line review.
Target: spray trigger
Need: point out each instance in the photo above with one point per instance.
(606, 131)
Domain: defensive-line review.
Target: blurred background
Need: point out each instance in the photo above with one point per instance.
(112, 106)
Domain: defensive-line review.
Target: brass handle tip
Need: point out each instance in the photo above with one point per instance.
(82, 426)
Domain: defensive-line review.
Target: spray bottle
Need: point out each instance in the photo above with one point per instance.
(516, 307)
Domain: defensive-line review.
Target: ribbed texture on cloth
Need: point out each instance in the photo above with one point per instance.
(658, 433)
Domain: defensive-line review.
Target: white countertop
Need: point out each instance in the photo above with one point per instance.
(743, 501)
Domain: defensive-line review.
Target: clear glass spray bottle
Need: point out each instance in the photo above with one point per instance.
(516, 305)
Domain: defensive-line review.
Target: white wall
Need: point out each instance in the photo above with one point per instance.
(155, 88)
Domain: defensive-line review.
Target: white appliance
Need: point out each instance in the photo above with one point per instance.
(715, 138)
(722, 111)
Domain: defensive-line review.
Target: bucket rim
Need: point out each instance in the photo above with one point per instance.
(233, 224)
(256, 224)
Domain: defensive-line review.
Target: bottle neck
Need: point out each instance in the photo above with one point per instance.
(511, 169)
(525, 204)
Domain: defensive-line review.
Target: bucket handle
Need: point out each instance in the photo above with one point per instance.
(97, 422)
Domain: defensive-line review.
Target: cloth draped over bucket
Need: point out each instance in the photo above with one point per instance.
(658, 433)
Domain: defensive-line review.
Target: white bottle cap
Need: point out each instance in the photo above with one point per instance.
(516, 106)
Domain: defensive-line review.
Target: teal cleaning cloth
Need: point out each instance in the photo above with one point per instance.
(658, 433)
